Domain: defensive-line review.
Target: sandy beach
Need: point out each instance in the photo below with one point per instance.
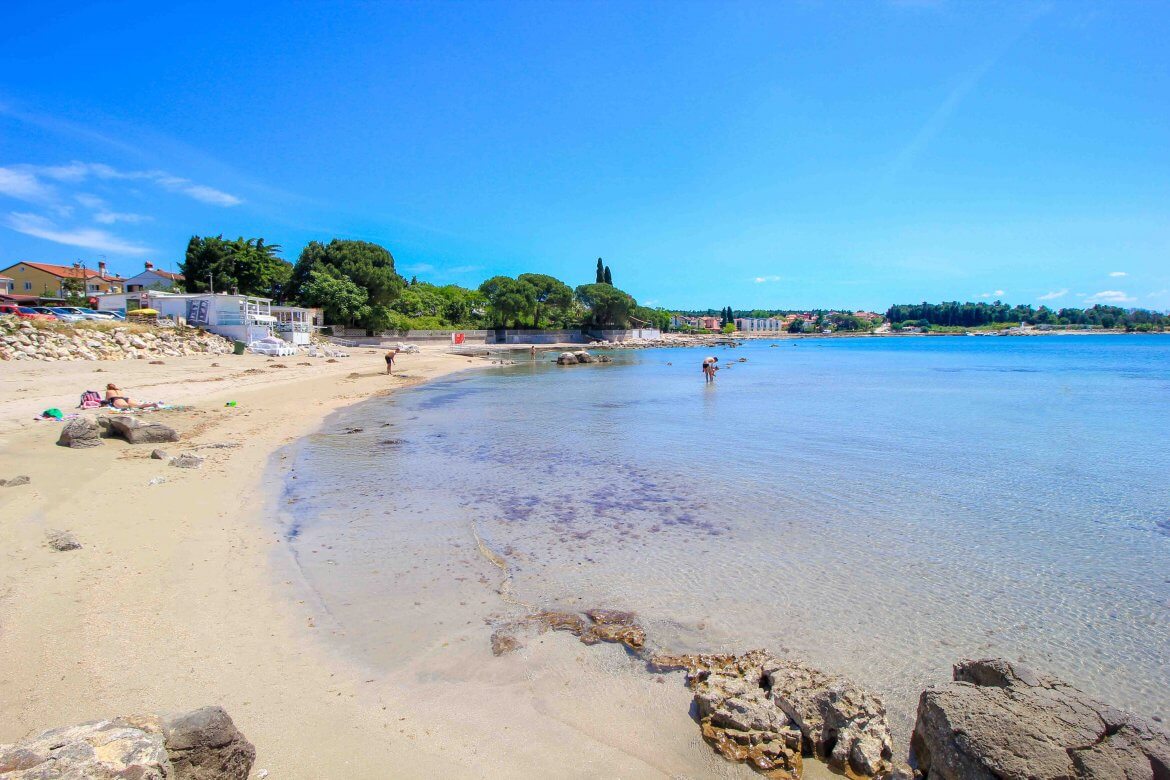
(183, 595)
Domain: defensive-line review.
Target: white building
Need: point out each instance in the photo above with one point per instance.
(759, 324)
(240, 317)
(153, 279)
(295, 324)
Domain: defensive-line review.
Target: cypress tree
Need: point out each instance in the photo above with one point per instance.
(600, 272)
(607, 277)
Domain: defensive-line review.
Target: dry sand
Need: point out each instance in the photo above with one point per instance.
(183, 595)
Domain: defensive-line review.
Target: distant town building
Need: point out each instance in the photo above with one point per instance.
(6, 284)
(759, 324)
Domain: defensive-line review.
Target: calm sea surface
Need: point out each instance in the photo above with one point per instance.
(877, 507)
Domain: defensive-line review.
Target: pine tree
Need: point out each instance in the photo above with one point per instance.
(607, 277)
(600, 272)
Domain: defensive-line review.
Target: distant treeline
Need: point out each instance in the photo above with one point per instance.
(973, 315)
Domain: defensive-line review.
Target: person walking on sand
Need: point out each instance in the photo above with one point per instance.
(390, 355)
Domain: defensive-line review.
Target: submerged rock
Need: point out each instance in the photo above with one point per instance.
(597, 625)
(770, 712)
(1002, 720)
(504, 643)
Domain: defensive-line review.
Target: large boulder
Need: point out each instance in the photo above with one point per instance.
(99, 750)
(80, 432)
(199, 745)
(566, 359)
(583, 356)
(1002, 720)
(206, 745)
(136, 431)
(770, 712)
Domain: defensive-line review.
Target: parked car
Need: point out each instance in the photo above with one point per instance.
(78, 312)
(63, 313)
(24, 312)
(45, 310)
(106, 314)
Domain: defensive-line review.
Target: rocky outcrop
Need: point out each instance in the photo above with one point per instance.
(136, 431)
(1002, 720)
(566, 359)
(51, 341)
(80, 433)
(199, 745)
(584, 357)
(770, 712)
(23, 479)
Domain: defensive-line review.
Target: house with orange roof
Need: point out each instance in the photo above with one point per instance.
(47, 280)
(154, 279)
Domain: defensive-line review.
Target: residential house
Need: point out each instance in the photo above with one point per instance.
(153, 279)
(6, 284)
(241, 317)
(710, 323)
(758, 324)
(47, 280)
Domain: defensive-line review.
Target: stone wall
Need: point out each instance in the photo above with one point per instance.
(22, 340)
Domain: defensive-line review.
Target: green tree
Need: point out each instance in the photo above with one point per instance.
(796, 326)
(367, 265)
(551, 293)
(600, 272)
(508, 299)
(73, 287)
(607, 277)
(608, 306)
(729, 328)
(343, 301)
(249, 265)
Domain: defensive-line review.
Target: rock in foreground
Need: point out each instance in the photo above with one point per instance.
(770, 712)
(80, 433)
(136, 431)
(1002, 720)
(199, 745)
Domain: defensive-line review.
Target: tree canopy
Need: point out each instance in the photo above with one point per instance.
(508, 299)
(608, 306)
(250, 265)
(342, 300)
(552, 294)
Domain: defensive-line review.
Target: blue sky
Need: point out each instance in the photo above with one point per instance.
(755, 155)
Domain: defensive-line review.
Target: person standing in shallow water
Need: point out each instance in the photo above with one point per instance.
(709, 368)
(390, 355)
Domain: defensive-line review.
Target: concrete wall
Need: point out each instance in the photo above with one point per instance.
(633, 334)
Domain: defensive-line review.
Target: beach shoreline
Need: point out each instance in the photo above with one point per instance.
(175, 599)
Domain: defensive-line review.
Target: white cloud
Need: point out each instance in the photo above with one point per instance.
(996, 294)
(1054, 294)
(111, 217)
(1119, 273)
(89, 238)
(766, 279)
(200, 192)
(77, 172)
(1110, 296)
(22, 185)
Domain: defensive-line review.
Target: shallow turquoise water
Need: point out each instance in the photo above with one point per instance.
(878, 507)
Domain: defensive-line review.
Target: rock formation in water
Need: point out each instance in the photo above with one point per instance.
(199, 745)
(771, 713)
(1001, 720)
(596, 625)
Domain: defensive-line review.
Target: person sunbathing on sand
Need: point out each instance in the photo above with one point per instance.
(122, 402)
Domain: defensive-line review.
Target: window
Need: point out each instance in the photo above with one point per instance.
(27, 286)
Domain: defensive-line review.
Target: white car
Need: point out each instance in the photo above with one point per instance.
(106, 314)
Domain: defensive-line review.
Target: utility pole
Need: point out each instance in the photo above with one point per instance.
(210, 283)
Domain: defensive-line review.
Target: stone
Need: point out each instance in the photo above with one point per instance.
(1002, 720)
(566, 359)
(206, 745)
(771, 712)
(135, 431)
(99, 750)
(80, 433)
(584, 357)
(187, 461)
(602, 625)
(15, 481)
(504, 643)
(158, 454)
(62, 541)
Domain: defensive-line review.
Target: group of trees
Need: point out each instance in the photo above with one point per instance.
(356, 284)
(974, 315)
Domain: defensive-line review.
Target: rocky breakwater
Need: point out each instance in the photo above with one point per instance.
(580, 357)
(1004, 721)
(772, 712)
(199, 745)
(23, 340)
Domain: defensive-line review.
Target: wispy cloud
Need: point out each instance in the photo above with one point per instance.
(1118, 273)
(104, 215)
(996, 294)
(89, 238)
(766, 279)
(77, 172)
(1054, 295)
(23, 185)
(1110, 296)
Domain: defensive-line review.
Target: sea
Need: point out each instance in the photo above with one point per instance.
(876, 507)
